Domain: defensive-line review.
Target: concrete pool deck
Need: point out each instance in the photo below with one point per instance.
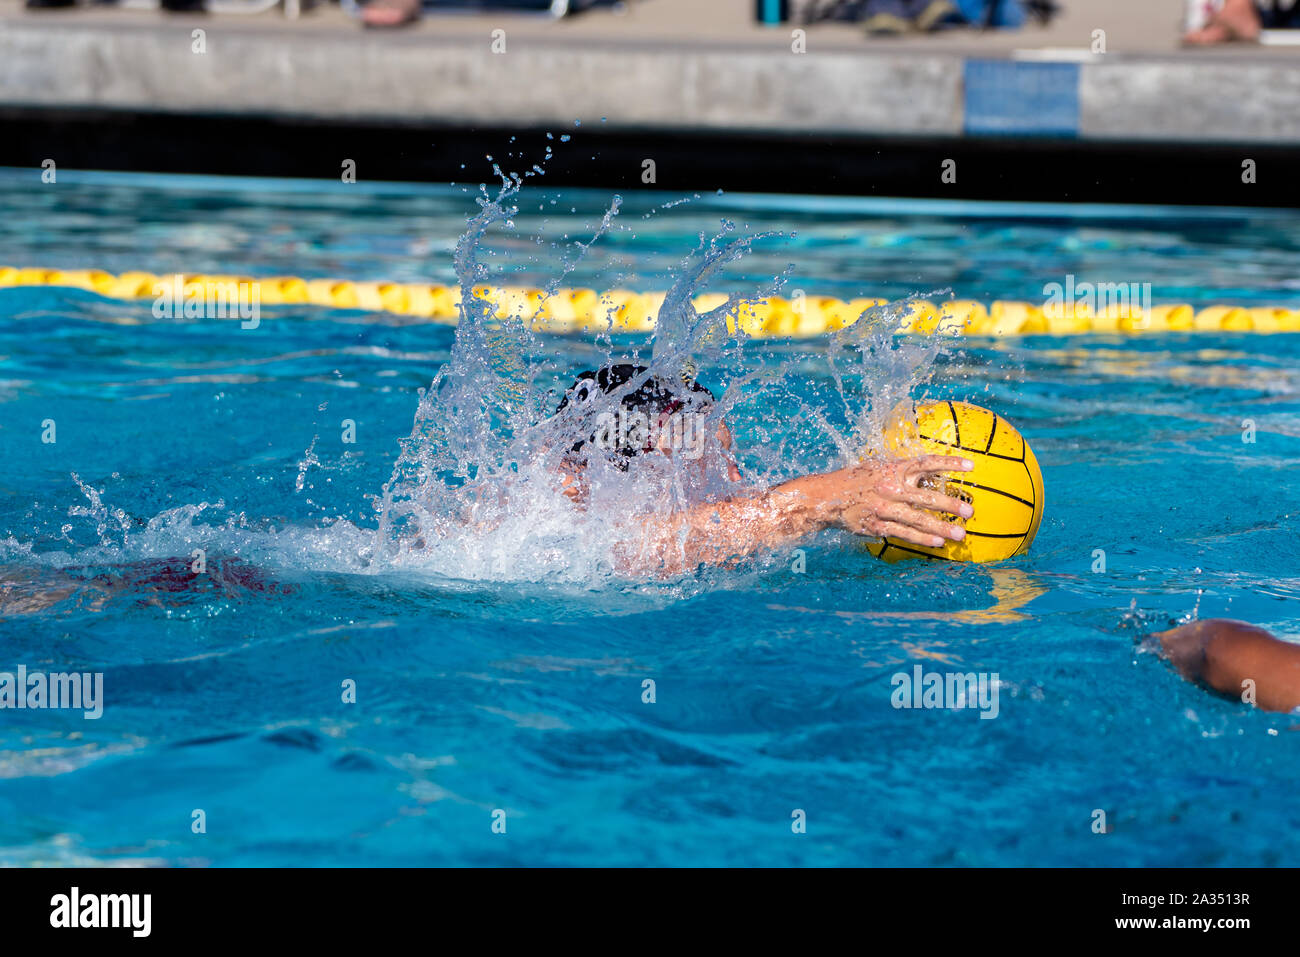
(663, 66)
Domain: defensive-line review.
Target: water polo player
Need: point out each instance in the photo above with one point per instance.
(622, 414)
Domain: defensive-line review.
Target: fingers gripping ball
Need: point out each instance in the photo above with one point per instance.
(1005, 488)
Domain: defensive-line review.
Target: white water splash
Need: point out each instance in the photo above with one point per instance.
(475, 493)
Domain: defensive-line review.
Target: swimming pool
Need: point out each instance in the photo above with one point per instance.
(480, 689)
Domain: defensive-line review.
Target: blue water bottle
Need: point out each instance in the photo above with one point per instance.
(771, 12)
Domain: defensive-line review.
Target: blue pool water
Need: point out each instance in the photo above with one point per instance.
(509, 681)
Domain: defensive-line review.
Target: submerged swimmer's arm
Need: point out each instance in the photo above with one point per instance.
(875, 499)
(1223, 655)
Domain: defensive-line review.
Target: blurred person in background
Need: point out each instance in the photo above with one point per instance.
(884, 17)
(1226, 21)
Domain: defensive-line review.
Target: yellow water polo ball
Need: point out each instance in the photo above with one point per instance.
(1005, 488)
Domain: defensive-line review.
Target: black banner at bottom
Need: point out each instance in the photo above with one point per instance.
(333, 907)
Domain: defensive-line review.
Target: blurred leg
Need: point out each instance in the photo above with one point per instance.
(390, 13)
(1238, 20)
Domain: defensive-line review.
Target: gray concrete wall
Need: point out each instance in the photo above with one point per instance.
(1216, 100)
(359, 76)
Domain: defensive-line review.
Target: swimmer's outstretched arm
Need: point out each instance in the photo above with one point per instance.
(1223, 655)
(875, 499)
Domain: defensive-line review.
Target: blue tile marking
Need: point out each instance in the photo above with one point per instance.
(1004, 97)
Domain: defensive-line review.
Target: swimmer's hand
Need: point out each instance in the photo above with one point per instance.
(895, 498)
(875, 498)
